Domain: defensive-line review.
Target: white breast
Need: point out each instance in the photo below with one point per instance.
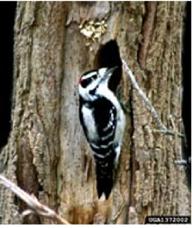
(90, 123)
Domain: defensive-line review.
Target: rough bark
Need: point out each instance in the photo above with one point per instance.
(47, 153)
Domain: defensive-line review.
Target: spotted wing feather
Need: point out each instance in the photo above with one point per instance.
(100, 134)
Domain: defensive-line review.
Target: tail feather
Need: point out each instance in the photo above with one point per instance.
(104, 186)
(105, 180)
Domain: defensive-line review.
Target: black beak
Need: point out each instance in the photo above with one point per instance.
(106, 77)
(111, 70)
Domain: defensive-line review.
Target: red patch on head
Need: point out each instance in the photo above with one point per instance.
(79, 80)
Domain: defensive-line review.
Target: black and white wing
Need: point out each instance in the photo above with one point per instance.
(99, 123)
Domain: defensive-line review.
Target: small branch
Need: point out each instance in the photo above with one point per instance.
(143, 96)
(181, 162)
(27, 212)
(32, 201)
(169, 132)
(149, 106)
(184, 162)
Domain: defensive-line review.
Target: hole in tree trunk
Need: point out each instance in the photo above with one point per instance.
(108, 56)
(7, 15)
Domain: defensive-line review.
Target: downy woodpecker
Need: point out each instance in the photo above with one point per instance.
(103, 122)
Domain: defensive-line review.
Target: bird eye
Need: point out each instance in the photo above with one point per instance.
(94, 77)
(86, 81)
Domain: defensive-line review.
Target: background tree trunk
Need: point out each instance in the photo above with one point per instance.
(47, 153)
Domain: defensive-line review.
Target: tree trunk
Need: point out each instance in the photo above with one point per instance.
(47, 154)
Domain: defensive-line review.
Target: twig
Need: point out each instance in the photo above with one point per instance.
(184, 162)
(144, 97)
(169, 132)
(181, 162)
(149, 106)
(32, 201)
(27, 212)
